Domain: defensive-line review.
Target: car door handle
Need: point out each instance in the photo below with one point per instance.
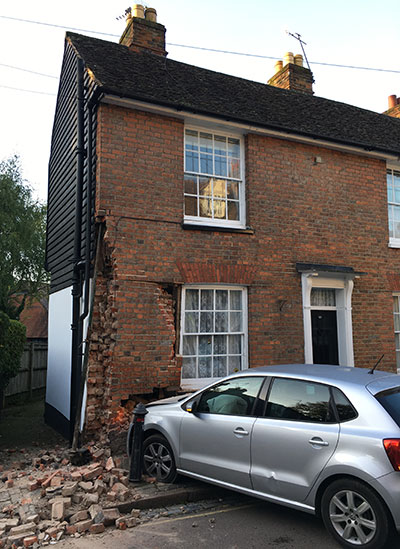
(318, 442)
(240, 431)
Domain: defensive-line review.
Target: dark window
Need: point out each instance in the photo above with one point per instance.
(300, 401)
(344, 407)
(233, 397)
(390, 400)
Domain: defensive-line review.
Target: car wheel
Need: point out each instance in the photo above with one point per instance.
(158, 459)
(354, 515)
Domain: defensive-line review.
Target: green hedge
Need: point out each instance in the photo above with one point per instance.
(12, 341)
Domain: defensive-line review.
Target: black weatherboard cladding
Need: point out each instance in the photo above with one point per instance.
(162, 81)
(62, 176)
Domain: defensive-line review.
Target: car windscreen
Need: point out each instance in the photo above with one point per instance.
(390, 400)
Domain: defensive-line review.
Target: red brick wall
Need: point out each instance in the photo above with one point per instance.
(333, 212)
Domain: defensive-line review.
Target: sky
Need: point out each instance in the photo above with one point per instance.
(362, 33)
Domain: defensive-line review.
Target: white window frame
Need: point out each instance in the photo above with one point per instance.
(396, 296)
(344, 289)
(199, 383)
(393, 241)
(197, 220)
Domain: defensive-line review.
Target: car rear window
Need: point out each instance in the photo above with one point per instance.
(390, 400)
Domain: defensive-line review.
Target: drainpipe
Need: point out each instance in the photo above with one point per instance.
(76, 327)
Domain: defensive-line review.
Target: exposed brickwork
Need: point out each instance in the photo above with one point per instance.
(293, 77)
(143, 35)
(333, 212)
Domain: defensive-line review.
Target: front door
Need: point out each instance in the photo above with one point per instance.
(324, 337)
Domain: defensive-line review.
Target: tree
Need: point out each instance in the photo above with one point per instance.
(22, 241)
(12, 340)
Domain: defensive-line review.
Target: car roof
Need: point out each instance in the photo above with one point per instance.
(334, 375)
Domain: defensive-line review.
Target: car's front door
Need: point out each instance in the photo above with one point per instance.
(215, 437)
(293, 442)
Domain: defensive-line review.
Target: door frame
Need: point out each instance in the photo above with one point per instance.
(343, 284)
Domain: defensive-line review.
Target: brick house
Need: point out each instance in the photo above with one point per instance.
(200, 223)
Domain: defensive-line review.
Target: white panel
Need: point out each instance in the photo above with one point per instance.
(58, 388)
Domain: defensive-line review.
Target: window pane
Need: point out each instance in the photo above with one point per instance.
(220, 347)
(234, 167)
(299, 401)
(206, 143)
(191, 323)
(236, 300)
(235, 344)
(205, 207)
(205, 346)
(207, 300)
(192, 300)
(397, 323)
(188, 368)
(206, 163)
(233, 147)
(220, 366)
(206, 322)
(191, 205)
(343, 406)
(236, 322)
(192, 161)
(397, 341)
(219, 209)
(191, 140)
(189, 345)
(396, 304)
(219, 188)
(220, 144)
(234, 364)
(323, 297)
(205, 366)
(221, 300)
(390, 193)
(220, 165)
(233, 190)
(205, 186)
(190, 184)
(221, 322)
(233, 210)
(396, 221)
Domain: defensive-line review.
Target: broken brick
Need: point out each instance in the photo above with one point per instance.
(97, 528)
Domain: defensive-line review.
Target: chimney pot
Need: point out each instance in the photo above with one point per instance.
(288, 58)
(392, 100)
(298, 60)
(151, 15)
(138, 11)
(278, 66)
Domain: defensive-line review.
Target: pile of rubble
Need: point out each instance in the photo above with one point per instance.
(53, 498)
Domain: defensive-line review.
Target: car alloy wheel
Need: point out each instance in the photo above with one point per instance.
(355, 515)
(158, 459)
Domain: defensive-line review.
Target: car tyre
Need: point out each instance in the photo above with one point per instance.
(158, 459)
(355, 516)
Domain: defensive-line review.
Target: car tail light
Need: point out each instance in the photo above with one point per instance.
(392, 447)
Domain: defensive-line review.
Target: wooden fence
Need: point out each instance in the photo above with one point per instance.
(32, 373)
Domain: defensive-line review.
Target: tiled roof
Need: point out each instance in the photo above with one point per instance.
(162, 81)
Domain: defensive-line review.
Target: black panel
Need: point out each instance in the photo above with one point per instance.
(63, 174)
(56, 420)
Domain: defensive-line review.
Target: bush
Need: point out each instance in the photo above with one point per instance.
(12, 341)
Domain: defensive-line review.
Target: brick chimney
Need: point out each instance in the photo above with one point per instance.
(142, 32)
(291, 75)
(394, 106)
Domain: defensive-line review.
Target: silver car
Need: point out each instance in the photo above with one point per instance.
(322, 439)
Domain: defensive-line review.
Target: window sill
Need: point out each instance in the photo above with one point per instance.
(215, 228)
(394, 243)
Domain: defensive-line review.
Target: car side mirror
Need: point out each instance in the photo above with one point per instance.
(191, 406)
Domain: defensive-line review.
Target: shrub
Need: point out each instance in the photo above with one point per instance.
(12, 341)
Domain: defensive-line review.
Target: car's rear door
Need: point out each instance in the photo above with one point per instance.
(215, 439)
(291, 445)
